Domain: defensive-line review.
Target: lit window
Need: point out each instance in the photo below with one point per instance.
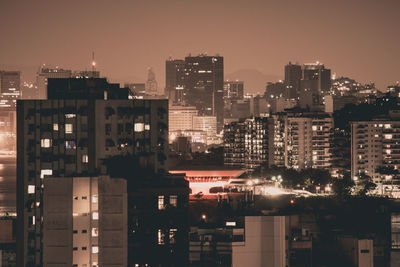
(95, 232)
(314, 128)
(70, 145)
(95, 215)
(31, 189)
(94, 199)
(33, 220)
(70, 116)
(139, 127)
(160, 237)
(161, 202)
(45, 172)
(388, 136)
(45, 142)
(172, 236)
(388, 126)
(147, 127)
(173, 200)
(55, 127)
(95, 249)
(85, 158)
(68, 128)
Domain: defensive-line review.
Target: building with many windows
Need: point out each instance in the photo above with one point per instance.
(84, 221)
(70, 135)
(375, 146)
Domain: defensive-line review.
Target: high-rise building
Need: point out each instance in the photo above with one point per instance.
(45, 73)
(317, 71)
(181, 118)
(207, 124)
(303, 139)
(233, 90)
(151, 83)
(10, 84)
(84, 221)
(204, 85)
(70, 135)
(274, 90)
(174, 80)
(374, 145)
(293, 75)
(248, 143)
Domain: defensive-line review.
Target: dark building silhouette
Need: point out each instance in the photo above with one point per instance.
(293, 75)
(70, 135)
(174, 80)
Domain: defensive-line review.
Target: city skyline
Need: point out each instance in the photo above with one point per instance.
(352, 40)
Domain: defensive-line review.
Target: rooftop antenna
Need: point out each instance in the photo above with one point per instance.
(93, 63)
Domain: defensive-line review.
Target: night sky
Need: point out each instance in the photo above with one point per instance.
(359, 39)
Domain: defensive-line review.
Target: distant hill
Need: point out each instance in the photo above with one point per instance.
(254, 80)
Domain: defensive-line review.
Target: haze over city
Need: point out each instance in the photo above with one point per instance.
(358, 39)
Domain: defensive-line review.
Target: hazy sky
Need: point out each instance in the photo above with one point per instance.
(360, 39)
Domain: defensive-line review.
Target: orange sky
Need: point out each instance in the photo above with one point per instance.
(359, 39)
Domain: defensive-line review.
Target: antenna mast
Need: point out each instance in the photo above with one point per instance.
(93, 63)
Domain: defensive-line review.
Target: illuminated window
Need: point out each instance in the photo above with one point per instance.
(31, 189)
(173, 200)
(388, 136)
(95, 232)
(147, 127)
(33, 220)
(45, 172)
(172, 236)
(160, 237)
(95, 249)
(55, 127)
(68, 128)
(95, 215)
(314, 128)
(45, 142)
(139, 127)
(70, 116)
(388, 126)
(161, 202)
(70, 145)
(94, 199)
(85, 158)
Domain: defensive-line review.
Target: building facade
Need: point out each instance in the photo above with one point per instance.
(64, 137)
(84, 221)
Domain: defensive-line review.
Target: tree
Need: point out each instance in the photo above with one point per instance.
(341, 187)
(365, 184)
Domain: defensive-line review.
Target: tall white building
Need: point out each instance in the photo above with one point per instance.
(181, 118)
(303, 140)
(84, 221)
(376, 144)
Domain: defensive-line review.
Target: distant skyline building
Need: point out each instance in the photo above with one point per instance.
(233, 89)
(151, 83)
(204, 85)
(10, 82)
(175, 80)
(293, 75)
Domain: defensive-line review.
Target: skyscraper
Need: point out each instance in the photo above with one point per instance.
(45, 73)
(293, 74)
(204, 85)
(151, 83)
(9, 88)
(174, 80)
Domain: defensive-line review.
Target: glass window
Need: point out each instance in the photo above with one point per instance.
(45, 172)
(95, 232)
(173, 200)
(94, 199)
(68, 128)
(147, 127)
(85, 158)
(95, 249)
(95, 215)
(55, 127)
(31, 189)
(161, 202)
(160, 237)
(172, 236)
(46, 142)
(139, 127)
(70, 116)
(70, 145)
